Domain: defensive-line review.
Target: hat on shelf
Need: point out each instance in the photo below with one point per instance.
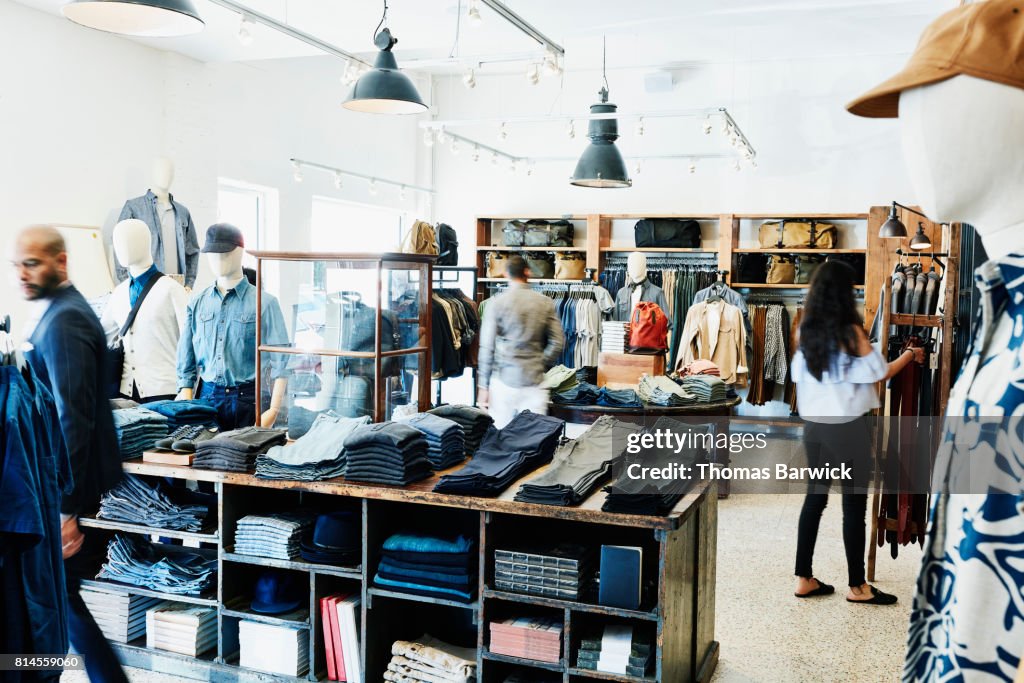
(276, 593)
(981, 39)
(336, 539)
(222, 238)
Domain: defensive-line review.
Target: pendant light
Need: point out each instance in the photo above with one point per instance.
(893, 227)
(384, 89)
(601, 164)
(145, 18)
(920, 241)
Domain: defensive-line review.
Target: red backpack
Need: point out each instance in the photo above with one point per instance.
(648, 327)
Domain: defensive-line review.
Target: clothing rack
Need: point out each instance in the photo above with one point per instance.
(444, 277)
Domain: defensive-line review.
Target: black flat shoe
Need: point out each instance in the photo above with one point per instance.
(877, 598)
(822, 589)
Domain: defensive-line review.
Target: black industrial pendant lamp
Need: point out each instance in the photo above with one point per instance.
(920, 241)
(144, 18)
(384, 89)
(893, 228)
(601, 164)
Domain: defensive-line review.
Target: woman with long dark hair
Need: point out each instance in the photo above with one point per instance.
(836, 370)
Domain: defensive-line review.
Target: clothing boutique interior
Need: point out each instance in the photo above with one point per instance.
(511, 341)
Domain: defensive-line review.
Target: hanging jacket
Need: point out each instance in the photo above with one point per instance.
(145, 209)
(714, 331)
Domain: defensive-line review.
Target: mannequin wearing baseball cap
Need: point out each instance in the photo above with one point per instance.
(960, 101)
(218, 343)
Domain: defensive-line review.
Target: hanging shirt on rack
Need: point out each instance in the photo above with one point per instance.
(714, 331)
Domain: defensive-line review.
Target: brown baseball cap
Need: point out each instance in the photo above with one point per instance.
(982, 39)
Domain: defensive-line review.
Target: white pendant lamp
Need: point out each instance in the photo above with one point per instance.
(143, 18)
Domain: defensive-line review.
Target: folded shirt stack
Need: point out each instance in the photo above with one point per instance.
(141, 564)
(277, 536)
(559, 379)
(579, 466)
(184, 413)
(583, 394)
(614, 336)
(505, 455)
(706, 388)
(702, 367)
(236, 450)
(618, 398)
(318, 454)
(446, 440)
(135, 502)
(474, 423)
(137, 429)
(428, 565)
(661, 391)
(429, 660)
(386, 453)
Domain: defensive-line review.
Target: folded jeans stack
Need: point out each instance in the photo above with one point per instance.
(584, 394)
(706, 388)
(618, 398)
(318, 454)
(446, 440)
(579, 466)
(661, 391)
(429, 660)
(139, 563)
(559, 379)
(386, 453)
(236, 450)
(526, 443)
(277, 536)
(474, 423)
(135, 502)
(137, 429)
(427, 565)
(184, 413)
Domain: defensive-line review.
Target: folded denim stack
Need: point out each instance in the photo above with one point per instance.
(428, 565)
(139, 563)
(579, 466)
(236, 450)
(429, 660)
(706, 388)
(137, 429)
(336, 539)
(584, 394)
(661, 391)
(505, 455)
(474, 423)
(446, 440)
(319, 454)
(618, 398)
(184, 413)
(135, 502)
(559, 379)
(277, 536)
(387, 453)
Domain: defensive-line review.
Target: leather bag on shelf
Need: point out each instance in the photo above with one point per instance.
(805, 266)
(421, 239)
(570, 266)
(781, 270)
(648, 328)
(541, 265)
(447, 245)
(797, 235)
(752, 268)
(497, 262)
(669, 233)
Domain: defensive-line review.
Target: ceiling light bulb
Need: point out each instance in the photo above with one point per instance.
(473, 13)
(736, 165)
(707, 126)
(693, 168)
(338, 182)
(297, 172)
(503, 131)
(454, 147)
(442, 137)
(469, 79)
(638, 167)
(512, 168)
(494, 159)
(475, 156)
(551, 65)
(571, 129)
(428, 137)
(245, 32)
(372, 186)
(533, 74)
(640, 127)
(753, 164)
(402, 193)
(529, 168)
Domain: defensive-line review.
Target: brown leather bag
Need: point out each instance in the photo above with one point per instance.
(497, 261)
(781, 270)
(797, 235)
(570, 266)
(421, 239)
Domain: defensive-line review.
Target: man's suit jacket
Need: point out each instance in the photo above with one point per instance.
(69, 355)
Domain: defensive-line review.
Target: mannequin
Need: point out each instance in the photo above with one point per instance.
(150, 346)
(220, 332)
(638, 288)
(175, 248)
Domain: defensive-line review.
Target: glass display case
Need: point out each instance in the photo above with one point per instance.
(356, 337)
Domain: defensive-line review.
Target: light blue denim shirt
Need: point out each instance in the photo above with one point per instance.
(219, 340)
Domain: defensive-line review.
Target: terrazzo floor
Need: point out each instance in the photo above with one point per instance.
(766, 635)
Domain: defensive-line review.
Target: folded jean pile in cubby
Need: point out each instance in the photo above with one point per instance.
(386, 453)
(133, 501)
(446, 440)
(474, 423)
(277, 536)
(428, 565)
(429, 660)
(318, 454)
(236, 450)
(137, 430)
(505, 455)
(143, 564)
(184, 413)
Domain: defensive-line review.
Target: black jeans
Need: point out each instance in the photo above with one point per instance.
(848, 443)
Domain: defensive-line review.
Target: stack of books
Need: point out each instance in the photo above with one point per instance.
(559, 572)
(340, 617)
(614, 336)
(618, 650)
(537, 638)
(121, 617)
(185, 629)
(282, 650)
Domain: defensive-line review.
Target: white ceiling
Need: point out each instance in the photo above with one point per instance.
(641, 33)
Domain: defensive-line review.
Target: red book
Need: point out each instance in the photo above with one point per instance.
(339, 650)
(325, 617)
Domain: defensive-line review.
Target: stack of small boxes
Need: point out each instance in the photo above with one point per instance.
(617, 649)
(560, 572)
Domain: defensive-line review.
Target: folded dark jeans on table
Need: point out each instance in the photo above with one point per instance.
(618, 398)
(385, 435)
(584, 394)
(425, 558)
(245, 439)
(435, 582)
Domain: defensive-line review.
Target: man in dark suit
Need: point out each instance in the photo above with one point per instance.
(68, 353)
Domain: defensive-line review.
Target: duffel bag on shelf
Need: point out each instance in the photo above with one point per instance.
(752, 268)
(514, 234)
(545, 234)
(670, 233)
(541, 265)
(781, 270)
(497, 262)
(805, 266)
(797, 235)
(570, 266)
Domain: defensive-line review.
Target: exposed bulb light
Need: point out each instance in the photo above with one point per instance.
(512, 168)
(693, 168)
(442, 137)
(454, 147)
(529, 168)
(402, 193)
(473, 13)
(533, 74)
(551, 65)
(571, 129)
(297, 172)
(428, 137)
(371, 187)
(920, 241)
(736, 165)
(475, 155)
(707, 125)
(245, 31)
(640, 127)
(503, 131)
(753, 164)
(338, 181)
(469, 79)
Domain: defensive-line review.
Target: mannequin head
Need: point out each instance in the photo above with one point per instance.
(132, 245)
(962, 139)
(226, 264)
(163, 176)
(636, 267)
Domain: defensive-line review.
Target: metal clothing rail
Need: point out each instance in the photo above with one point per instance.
(439, 281)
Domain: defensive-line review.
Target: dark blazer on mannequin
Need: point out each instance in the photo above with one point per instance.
(69, 355)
